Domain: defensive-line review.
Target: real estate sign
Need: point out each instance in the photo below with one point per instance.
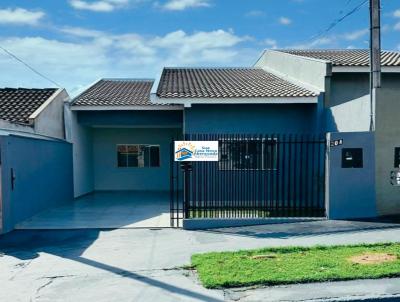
(196, 151)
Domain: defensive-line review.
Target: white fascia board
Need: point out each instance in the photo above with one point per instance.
(357, 69)
(188, 102)
(36, 113)
(126, 108)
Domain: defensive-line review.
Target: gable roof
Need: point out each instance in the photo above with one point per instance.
(225, 83)
(346, 57)
(18, 104)
(116, 92)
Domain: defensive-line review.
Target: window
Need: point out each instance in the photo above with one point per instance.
(397, 157)
(138, 156)
(352, 158)
(248, 154)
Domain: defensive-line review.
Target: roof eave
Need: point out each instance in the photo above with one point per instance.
(125, 108)
(188, 102)
(356, 69)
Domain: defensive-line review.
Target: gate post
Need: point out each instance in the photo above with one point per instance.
(187, 168)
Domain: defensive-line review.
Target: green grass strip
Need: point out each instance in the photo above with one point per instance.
(286, 265)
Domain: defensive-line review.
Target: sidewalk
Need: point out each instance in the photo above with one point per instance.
(138, 265)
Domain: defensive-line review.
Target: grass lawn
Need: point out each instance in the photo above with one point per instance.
(273, 266)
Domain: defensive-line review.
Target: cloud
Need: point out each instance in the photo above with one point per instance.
(20, 16)
(355, 35)
(270, 43)
(313, 44)
(396, 13)
(180, 5)
(397, 26)
(285, 21)
(79, 56)
(98, 6)
(255, 14)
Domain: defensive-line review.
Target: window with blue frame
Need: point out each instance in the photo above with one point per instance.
(138, 156)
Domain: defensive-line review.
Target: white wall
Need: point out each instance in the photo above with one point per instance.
(351, 116)
(50, 121)
(310, 73)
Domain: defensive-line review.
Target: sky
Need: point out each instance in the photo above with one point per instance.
(76, 42)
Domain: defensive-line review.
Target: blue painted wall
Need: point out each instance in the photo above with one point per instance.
(137, 118)
(43, 176)
(107, 176)
(352, 190)
(251, 118)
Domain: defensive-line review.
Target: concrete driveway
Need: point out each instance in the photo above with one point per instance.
(106, 210)
(144, 264)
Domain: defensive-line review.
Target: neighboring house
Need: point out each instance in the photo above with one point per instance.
(38, 111)
(35, 161)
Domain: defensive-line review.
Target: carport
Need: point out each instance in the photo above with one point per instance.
(121, 159)
(106, 210)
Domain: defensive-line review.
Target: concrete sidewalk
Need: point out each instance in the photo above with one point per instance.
(143, 264)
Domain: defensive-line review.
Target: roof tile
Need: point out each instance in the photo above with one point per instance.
(346, 57)
(225, 83)
(116, 92)
(17, 104)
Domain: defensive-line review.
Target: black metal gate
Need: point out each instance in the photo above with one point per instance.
(257, 176)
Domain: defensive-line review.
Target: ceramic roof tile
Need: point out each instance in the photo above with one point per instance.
(17, 104)
(347, 57)
(225, 83)
(116, 92)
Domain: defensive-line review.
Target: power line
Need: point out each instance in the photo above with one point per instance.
(339, 20)
(29, 67)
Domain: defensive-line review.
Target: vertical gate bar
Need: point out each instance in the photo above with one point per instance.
(313, 174)
(248, 173)
(307, 174)
(289, 204)
(171, 185)
(265, 181)
(206, 193)
(241, 169)
(253, 181)
(301, 201)
(211, 182)
(266, 175)
(217, 176)
(294, 199)
(277, 172)
(324, 173)
(260, 174)
(233, 141)
(283, 203)
(178, 202)
(319, 179)
(214, 181)
(270, 171)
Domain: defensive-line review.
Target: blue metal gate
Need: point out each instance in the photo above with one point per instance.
(257, 176)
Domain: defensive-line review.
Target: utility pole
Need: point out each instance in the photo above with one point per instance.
(374, 55)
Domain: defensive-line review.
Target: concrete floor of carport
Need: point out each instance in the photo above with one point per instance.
(106, 210)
